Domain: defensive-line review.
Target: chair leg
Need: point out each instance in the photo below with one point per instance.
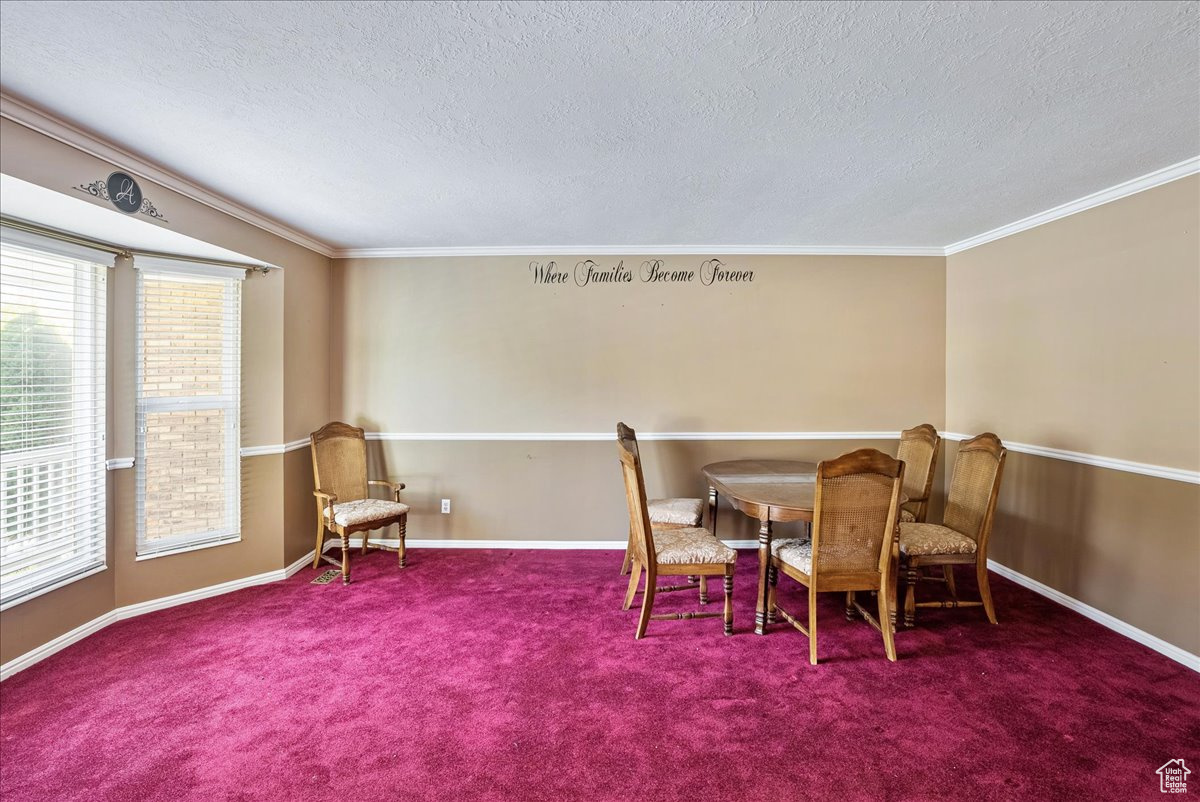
(320, 542)
(704, 590)
(851, 613)
(911, 578)
(403, 527)
(365, 536)
(985, 590)
(647, 606)
(728, 601)
(812, 627)
(887, 623)
(628, 561)
(948, 575)
(345, 559)
(635, 573)
(772, 584)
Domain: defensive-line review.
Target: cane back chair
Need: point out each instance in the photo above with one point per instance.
(675, 551)
(664, 512)
(339, 457)
(855, 505)
(918, 451)
(962, 538)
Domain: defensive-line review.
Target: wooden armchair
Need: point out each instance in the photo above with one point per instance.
(856, 503)
(677, 551)
(339, 456)
(664, 512)
(918, 451)
(962, 538)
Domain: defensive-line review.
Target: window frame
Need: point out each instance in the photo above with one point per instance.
(89, 335)
(229, 402)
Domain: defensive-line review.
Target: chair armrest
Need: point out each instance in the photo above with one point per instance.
(394, 487)
(330, 498)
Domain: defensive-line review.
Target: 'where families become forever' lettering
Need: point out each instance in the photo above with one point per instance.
(652, 271)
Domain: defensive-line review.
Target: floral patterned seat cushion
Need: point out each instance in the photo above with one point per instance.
(795, 551)
(921, 539)
(907, 517)
(691, 545)
(365, 510)
(677, 511)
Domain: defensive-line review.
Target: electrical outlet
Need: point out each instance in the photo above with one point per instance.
(445, 506)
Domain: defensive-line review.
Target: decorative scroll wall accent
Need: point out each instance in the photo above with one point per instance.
(123, 192)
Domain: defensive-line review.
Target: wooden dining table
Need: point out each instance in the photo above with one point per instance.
(770, 491)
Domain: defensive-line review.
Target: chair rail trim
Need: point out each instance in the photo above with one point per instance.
(1083, 458)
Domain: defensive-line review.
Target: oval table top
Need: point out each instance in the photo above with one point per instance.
(778, 489)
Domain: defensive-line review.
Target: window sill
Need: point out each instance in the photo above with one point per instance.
(184, 549)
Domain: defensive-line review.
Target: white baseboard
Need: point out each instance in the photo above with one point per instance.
(141, 608)
(303, 561)
(57, 645)
(1100, 617)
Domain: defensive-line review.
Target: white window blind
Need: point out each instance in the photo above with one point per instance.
(188, 400)
(52, 414)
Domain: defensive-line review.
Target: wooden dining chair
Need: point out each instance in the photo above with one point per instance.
(918, 451)
(855, 505)
(664, 512)
(962, 537)
(339, 457)
(674, 551)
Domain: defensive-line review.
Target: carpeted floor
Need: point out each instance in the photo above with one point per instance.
(514, 675)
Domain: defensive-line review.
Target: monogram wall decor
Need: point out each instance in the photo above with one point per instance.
(123, 192)
(652, 271)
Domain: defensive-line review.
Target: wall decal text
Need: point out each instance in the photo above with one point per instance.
(652, 271)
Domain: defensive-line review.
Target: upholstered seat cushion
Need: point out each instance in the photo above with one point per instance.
(795, 551)
(691, 546)
(922, 539)
(907, 517)
(365, 510)
(677, 511)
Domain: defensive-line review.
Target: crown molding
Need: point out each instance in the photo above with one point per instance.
(44, 123)
(1123, 190)
(639, 250)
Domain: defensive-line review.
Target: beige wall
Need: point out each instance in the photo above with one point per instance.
(812, 344)
(306, 397)
(280, 344)
(1084, 334)
(473, 345)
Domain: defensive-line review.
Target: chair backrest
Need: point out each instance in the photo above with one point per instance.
(919, 452)
(339, 455)
(856, 503)
(642, 536)
(974, 486)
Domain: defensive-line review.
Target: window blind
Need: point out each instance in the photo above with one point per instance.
(52, 413)
(188, 401)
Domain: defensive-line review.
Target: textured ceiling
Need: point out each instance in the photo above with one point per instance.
(572, 123)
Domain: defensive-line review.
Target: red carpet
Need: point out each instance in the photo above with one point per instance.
(497, 675)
